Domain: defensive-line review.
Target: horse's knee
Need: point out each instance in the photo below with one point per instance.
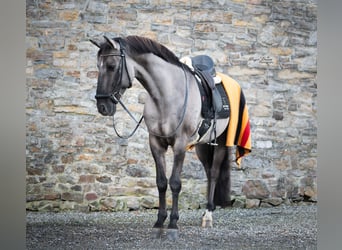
(175, 184)
(162, 185)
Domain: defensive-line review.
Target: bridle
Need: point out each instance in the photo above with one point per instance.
(116, 94)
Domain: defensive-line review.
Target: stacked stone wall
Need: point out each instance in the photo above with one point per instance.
(74, 160)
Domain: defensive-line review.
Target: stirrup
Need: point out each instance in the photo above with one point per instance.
(212, 144)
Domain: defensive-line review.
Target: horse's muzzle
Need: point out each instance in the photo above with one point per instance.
(106, 108)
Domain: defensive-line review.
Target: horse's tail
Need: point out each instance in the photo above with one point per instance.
(222, 189)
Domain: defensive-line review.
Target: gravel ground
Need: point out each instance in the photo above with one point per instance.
(285, 227)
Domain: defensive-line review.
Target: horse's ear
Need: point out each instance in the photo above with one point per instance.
(112, 43)
(95, 43)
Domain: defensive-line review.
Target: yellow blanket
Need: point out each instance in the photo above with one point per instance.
(239, 133)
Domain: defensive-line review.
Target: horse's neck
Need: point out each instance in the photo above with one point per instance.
(162, 80)
(167, 87)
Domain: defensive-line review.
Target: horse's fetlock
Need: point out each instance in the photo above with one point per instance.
(211, 207)
(174, 216)
(162, 214)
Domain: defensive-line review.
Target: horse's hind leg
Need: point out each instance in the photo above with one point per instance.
(222, 189)
(212, 158)
(205, 153)
(158, 150)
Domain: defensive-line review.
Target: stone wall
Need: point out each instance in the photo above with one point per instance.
(76, 162)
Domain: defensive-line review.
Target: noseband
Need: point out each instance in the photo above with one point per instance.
(116, 95)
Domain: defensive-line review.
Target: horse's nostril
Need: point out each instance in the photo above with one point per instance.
(102, 109)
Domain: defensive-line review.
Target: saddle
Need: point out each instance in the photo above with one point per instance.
(215, 103)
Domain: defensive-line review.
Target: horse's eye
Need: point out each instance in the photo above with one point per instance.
(111, 67)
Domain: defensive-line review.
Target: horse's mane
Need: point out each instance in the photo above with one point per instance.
(142, 45)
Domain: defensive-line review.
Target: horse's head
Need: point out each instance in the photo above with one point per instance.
(114, 75)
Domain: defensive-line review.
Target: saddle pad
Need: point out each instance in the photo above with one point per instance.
(239, 131)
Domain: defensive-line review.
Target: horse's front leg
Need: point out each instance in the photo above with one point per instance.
(158, 150)
(176, 186)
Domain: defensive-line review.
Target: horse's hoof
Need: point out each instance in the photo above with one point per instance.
(156, 233)
(207, 224)
(172, 234)
(207, 219)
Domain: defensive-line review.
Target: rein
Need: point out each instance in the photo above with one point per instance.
(142, 117)
(131, 115)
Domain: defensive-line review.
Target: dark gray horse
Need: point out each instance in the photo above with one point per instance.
(172, 115)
